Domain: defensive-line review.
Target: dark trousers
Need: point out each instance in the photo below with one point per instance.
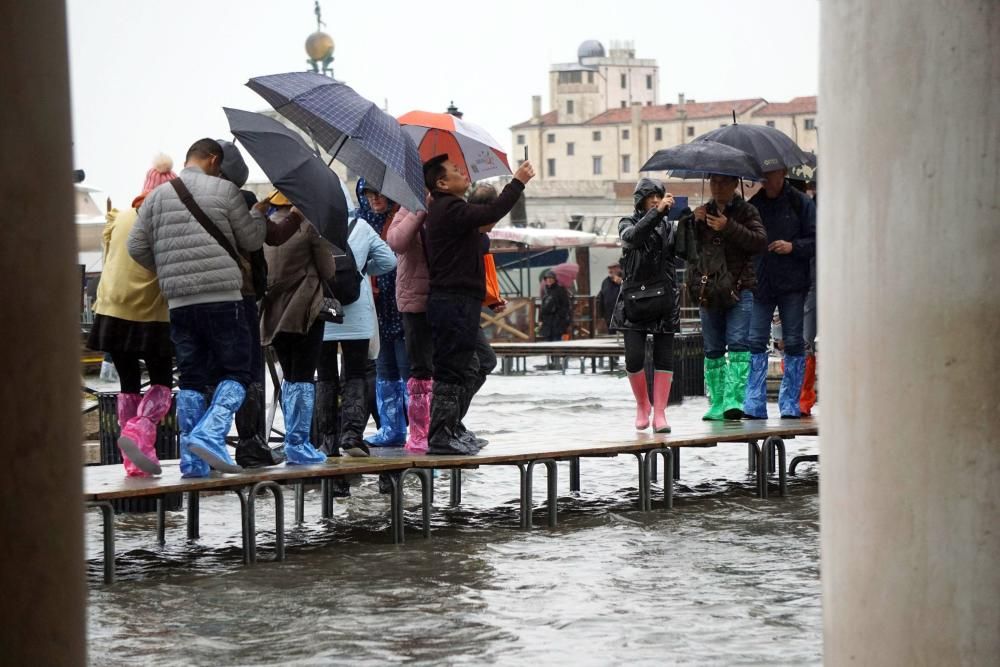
(454, 321)
(419, 345)
(485, 359)
(355, 360)
(298, 354)
(212, 342)
(256, 351)
(160, 369)
(635, 351)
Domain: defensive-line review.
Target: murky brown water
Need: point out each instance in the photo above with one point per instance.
(725, 578)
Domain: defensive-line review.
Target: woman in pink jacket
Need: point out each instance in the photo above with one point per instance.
(406, 238)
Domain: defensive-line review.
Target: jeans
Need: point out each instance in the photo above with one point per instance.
(393, 364)
(454, 320)
(635, 351)
(212, 342)
(419, 346)
(791, 309)
(298, 354)
(727, 329)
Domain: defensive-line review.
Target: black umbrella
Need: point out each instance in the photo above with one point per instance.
(295, 170)
(701, 159)
(771, 148)
(352, 129)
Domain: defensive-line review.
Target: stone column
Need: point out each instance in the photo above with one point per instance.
(42, 578)
(910, 310)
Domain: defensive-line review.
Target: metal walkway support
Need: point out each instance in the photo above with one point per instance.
(108, 519)
(193, 515)
(455, 498)
(574, 474)
(248, 505)
(649, 462)
(527, 473)
(426, 477)
(772, 445)
(807, 458)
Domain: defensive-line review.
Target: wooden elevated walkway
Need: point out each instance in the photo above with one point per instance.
(103, 484)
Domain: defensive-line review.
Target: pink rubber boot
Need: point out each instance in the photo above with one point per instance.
(641, 392)
(661, 394)
(419, 413)
(138, 439)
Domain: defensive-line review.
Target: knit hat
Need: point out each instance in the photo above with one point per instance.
(160, 173)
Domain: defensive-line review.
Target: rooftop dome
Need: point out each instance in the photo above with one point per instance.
(590, 49)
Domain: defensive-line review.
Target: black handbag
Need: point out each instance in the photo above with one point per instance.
(330, 309)
(647, 302)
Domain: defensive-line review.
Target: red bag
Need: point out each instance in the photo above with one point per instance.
(492, 282)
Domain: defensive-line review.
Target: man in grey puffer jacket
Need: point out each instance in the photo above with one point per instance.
(202, 284)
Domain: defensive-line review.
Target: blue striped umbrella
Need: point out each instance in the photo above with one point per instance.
(352, 129)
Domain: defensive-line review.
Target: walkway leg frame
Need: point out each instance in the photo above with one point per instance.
(643, 479)
(752, 451)
(809, 458)
(193, 515)
(676, 460)
(426, 477)
(668, 477)
(652, 474)
(456, 487)
(527, 475)
(574, 474)
(300, 503)
(248, 504)
(108, 521)
(771, 445)
(326, 497)
(161, 520)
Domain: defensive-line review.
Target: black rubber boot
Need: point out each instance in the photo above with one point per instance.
(326, 418)
(252, 450)
(353, 417)
(371, 400)
(469, 391)
(446, 411)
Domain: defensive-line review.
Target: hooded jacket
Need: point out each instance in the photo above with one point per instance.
(648, 245)
(742, 238)
(791, 216)
(413, 280)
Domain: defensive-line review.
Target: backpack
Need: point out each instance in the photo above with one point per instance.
(346, 285)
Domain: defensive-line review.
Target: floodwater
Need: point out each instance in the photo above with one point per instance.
(724, 578)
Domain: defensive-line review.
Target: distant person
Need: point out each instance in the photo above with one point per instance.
(783, 281)
(132, 323)
(807, 399)
(289, 321)
(607, 297)
(728, 234)
(555, 313)
(458, 287)
(201, 278)
(648, 262)
(392, 364)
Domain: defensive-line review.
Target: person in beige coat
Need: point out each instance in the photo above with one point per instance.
(289, 321)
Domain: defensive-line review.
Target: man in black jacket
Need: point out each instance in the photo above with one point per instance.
(783, 282)
(607, 298)
(458, 287)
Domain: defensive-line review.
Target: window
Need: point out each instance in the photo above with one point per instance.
(597, 165)
(649, 82)
(597, 136)
(550, 138)
(520, 140)
(570, 77)
(624, 81)
(658, 134)
(690, 130)
(625, 134)
(770, 123)
(590, 77)
(569, 107)
(551, 171)
(810, 123)
(570, 148)
(624, 104)
(626, 164)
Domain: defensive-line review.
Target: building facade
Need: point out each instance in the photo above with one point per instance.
(606, 120)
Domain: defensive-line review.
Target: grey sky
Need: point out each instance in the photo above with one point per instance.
(152, 76)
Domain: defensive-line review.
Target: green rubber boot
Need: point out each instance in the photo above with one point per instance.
(736, 384)
(715, 387)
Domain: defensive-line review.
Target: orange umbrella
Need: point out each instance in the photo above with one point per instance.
(469, 146)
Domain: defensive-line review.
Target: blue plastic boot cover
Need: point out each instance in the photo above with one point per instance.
(190, 410)
(391, 397)
(755, 403)
(791, 386)
(208, 439)
(297, 401)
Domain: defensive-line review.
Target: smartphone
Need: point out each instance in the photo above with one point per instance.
(525, 153)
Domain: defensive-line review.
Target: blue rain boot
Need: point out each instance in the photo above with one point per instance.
(755, 404)
(190, 410)
(297, 402)
(791, 387)
(391, 396)
(208, 439)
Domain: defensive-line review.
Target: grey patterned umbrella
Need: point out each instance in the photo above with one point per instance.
(351, 128)
(771, 148)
